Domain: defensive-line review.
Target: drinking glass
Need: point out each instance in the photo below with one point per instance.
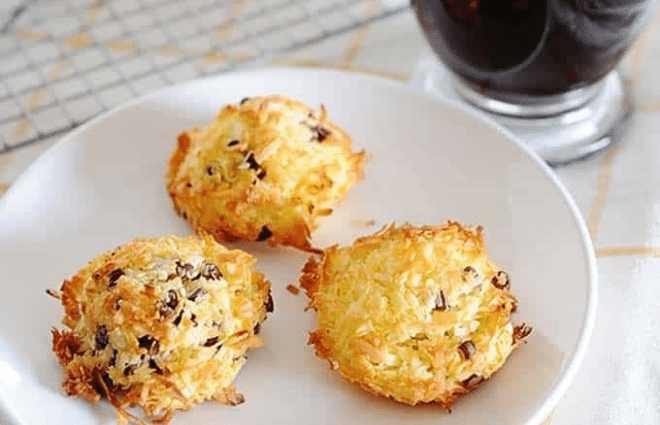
(545, 69)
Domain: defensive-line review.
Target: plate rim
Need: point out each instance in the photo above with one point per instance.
(576, 358)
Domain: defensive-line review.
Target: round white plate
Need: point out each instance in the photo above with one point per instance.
(105, 184)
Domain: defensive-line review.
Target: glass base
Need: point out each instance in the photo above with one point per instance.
(562, 128)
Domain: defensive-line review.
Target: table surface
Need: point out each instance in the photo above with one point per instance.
(617, 191)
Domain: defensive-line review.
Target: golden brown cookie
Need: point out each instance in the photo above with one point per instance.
(418, 314)
(264, 169)
(161, 323)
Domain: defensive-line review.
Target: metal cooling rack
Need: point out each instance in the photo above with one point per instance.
(64, 61)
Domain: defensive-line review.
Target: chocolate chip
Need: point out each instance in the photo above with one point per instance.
(180, 269)
(149, 343)
(114, 276)
(211, 272)
(188, 185)
(211, 341)
(186, 271)
(108, 381)
(169, 304)
(101, 337)
(440, 302)
(252, 163)
(270, 306)
(192, 319)
(257, 328)
(471, 270)
(113, 358)
(264, 234)
(197, 293)
(178, 318)
(232, 143)
(320, 133)
(514, 306)
(128, 370)
(245, 99)
(154, 366)
(172, 299)
(521, 332)
(501, 280)
(472, 382)
(209, 170)
(101, 382)
(98, 387)
(467, 349)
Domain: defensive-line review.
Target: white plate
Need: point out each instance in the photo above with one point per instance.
(104, 184)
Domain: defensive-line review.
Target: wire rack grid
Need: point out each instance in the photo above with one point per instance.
(64, 61)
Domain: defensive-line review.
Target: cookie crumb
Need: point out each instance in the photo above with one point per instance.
(293, 289)
(54, 294)
(363, 224)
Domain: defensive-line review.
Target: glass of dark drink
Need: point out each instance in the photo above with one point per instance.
(545, 69)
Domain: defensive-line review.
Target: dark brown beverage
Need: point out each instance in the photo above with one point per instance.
(531, 47)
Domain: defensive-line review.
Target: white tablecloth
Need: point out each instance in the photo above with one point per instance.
(617, 191)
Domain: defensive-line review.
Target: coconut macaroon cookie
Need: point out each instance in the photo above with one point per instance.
(160, 323)
(264, 169)
(418, 314)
